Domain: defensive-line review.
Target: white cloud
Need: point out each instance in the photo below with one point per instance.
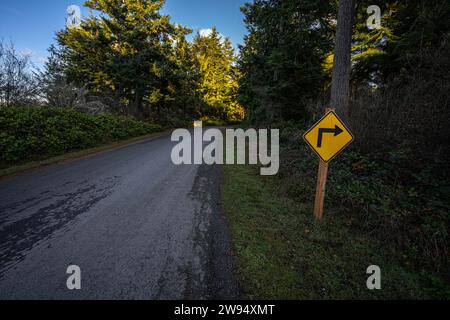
(35, 56)
(205, 32)
(208, 31)
(27, 52)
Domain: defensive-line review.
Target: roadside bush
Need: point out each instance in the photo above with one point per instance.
(174, 121)
(212, 122)
(36, 133)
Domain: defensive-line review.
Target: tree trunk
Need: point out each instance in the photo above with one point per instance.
(340, 85)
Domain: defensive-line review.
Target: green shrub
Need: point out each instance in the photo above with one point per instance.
(212, 122)
(36, 133)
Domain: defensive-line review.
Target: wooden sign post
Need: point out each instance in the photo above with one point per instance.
(320, 189)
(328, 137)
(322, 176)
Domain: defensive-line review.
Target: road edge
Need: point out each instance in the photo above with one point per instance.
(14, 171)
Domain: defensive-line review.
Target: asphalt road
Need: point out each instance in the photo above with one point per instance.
(138, 226)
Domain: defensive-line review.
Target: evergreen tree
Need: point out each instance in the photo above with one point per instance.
(218, 75)
(283, 55)
(187, 77)
(125, 50)
(56, 90)
(407, 28)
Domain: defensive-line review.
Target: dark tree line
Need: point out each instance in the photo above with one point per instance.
(283, 56)
(287, 57)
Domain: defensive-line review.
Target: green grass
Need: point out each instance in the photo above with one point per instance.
(281, 252)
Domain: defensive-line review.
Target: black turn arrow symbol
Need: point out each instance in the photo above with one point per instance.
(336, 130)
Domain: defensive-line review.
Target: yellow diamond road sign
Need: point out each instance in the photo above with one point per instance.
(328, 137)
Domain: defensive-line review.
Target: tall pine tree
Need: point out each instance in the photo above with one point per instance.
(125, 50)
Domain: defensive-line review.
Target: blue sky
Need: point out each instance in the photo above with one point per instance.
(31, 24)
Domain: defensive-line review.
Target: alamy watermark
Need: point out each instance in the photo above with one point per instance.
(374, 281)
(74, 280)
(74, 16)
(192, 150)
(374, 19)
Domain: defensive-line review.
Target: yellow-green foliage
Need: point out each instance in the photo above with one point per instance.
(127, 51)
(218, 83)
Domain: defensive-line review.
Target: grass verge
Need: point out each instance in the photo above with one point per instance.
(282, 253)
